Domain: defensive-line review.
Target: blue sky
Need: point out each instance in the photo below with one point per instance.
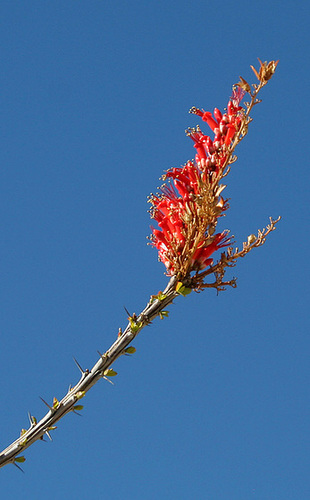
(94, 102)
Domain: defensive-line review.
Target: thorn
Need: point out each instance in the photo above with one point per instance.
(69, 388)
(14, 463)
(102, 356)
(120, 333)
(32, 419)
(105, 378)
(46, 404)
(74, 411)
(127, 311)
(79, 366)
(49, 436)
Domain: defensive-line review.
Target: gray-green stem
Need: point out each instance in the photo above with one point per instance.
(89, 378)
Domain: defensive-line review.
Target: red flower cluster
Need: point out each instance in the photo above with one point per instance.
(211, 154)
(188, 206)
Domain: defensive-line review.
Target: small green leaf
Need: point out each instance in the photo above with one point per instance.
(130, 350)
(24, 441)
(109, 373)
(159, 296)
(78, 407)
(20, 459)
(80, 394)
(135, 325)
(182, 290)
(163, 314)
(55, 403)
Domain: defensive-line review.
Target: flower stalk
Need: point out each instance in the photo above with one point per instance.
(190, 203)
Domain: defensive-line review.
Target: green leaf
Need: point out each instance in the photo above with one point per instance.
(186, 291)
(182, 290)
(80, 394)
(159, 296)
(20, 459)
(55, 403)
(163, 314)
(109, 373)
(78, 407)
(135, 325)
(130, 350)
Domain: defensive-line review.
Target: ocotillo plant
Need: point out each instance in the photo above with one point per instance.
(186, 210)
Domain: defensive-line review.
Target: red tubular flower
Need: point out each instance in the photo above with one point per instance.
(207, 117)
(231, 130)
(218, 115)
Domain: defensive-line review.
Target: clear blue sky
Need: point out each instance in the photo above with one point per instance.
(94, 99)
